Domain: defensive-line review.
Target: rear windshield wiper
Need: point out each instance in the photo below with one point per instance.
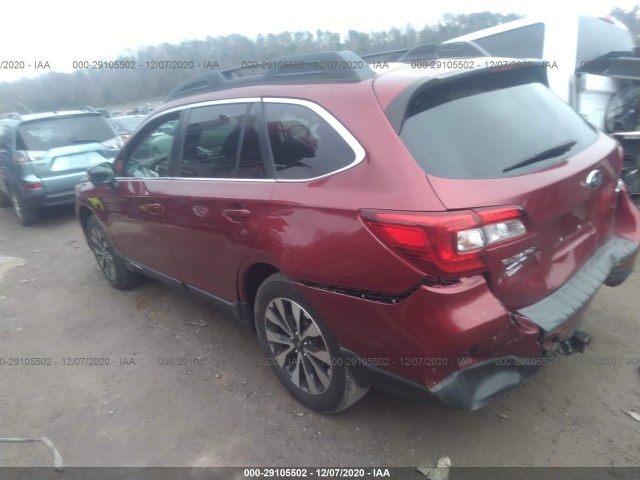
(544, 155)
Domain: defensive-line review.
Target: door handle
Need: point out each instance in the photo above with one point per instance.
(152, 208)
(236, 214)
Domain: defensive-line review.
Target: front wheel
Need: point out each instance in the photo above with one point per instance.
(110, 263)
(301, 350)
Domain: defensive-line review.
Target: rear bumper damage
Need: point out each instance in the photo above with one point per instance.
(611, 264)
(558, 317)
(470, 381)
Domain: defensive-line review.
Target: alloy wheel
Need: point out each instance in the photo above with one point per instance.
(103, 253)
(298, 346)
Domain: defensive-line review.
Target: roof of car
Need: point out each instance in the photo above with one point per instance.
(17, 118)
(387, 79)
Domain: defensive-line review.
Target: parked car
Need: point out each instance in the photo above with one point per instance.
(125, 125)
(44, 155)
(434, 231)
(593, 66)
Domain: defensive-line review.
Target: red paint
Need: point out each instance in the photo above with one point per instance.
(210, 233)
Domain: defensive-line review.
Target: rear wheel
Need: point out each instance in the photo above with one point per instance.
(301, 350)
(109, 261)
(26, 215)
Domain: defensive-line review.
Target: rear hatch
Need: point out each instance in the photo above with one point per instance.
(59, 149)
(502, 139)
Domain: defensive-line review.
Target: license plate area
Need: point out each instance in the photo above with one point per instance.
(75, 161)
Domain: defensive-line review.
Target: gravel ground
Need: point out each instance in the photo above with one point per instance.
(225, 408)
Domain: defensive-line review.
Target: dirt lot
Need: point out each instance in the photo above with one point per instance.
(229, 410)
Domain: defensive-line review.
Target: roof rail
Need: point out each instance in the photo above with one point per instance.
(321, 67)
(12, 116)
(429, 51)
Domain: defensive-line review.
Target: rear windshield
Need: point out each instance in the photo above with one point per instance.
(57, 132)
(483, 131)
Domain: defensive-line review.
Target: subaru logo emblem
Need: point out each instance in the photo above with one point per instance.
(594, 179)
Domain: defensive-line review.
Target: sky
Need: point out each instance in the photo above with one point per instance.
(63, 31)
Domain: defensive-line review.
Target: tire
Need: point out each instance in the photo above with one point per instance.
(110, 262)
(301, 349)
(26, 215)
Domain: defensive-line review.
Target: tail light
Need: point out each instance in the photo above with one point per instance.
(26, 156)
(446, 244)
(125, 137)
(32, 186)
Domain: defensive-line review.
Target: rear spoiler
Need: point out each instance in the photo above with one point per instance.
(513, 72)
(428, 51)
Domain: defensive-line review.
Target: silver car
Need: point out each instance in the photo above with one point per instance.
(44, 155)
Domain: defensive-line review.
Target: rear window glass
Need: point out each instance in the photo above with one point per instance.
(303, 144)
(482, 131)
(57, 132)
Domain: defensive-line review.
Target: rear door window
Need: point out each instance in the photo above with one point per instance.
(304, 145)
(54, 132)
(221, 141)
(484, 128)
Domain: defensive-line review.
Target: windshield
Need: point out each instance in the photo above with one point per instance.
(54, 132)
(465, 131)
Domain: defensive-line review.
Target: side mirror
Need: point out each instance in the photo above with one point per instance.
(103, 174)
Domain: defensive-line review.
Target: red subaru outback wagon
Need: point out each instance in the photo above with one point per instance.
(428, 231)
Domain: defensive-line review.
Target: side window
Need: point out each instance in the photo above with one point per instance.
(150, 157)
(525, 42)
(221, 141)
(303, 144)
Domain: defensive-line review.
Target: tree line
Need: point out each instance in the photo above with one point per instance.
(153, 77)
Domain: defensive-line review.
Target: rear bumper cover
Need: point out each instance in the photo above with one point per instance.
(470, 388)
(40, 198)
(610, 265)
(474, 386)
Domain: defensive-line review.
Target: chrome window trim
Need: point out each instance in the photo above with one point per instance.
(356, 147)
(200, 179)
(205, 104)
